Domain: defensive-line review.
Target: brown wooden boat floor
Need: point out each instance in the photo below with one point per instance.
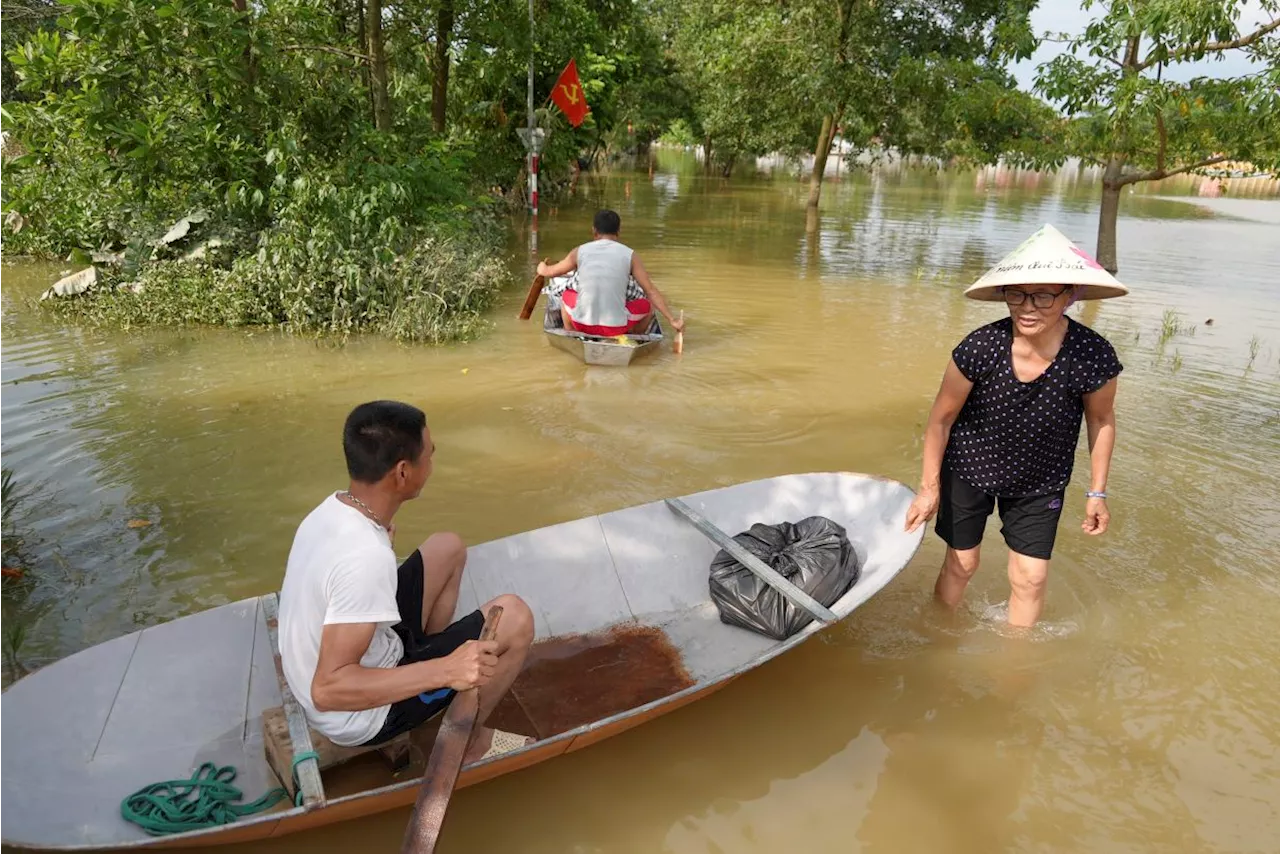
(567, 682)
(580, 679)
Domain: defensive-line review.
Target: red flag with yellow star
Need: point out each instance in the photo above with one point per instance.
(568, 94)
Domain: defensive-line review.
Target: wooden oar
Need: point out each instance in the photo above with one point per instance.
(531, 299)
(678, 344)
(445, 763)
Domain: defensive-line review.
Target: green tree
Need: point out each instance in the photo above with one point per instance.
(872, 57)
(922, 76)
(747, 68)
(378, 66)
(968, 113)
(21, 19)
(1139, 122)
(620, 60)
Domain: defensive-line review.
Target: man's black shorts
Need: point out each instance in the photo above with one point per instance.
(406, 714)
(1029, 523)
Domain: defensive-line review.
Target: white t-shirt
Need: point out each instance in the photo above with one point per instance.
(341, 569)
(604, 269)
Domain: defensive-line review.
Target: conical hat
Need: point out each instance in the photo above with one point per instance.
(1048, 258)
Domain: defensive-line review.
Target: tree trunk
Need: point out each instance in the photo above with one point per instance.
(378, 68)
(1107, 228)
(820, 163)
(250, 61)
(706, 154)
(1111, 187)
(440, 67)
(362, 35)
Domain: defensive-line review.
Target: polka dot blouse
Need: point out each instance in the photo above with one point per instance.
(1013, 438)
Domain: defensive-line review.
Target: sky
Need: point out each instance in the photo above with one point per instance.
(1066, 16)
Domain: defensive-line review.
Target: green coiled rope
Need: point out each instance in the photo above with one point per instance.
(206, 799)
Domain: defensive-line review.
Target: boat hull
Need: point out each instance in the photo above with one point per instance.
(405, 794)
(600, 351)
(100, 724)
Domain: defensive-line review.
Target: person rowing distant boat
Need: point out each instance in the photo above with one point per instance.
(598, 302)
(369, 649)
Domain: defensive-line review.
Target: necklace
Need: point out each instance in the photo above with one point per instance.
(364, 507)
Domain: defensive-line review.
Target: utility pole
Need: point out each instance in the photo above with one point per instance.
(533, 137)
(533, 146)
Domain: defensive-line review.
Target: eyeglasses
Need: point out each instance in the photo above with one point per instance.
(1040, 299)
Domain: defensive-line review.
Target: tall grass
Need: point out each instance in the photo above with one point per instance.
(1171, 324)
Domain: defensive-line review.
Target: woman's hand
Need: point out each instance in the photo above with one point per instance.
(922, 509)
(1096, 516)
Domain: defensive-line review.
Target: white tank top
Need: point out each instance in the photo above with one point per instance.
(604, 269)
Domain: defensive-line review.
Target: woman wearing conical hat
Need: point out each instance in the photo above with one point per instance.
(1004, 427)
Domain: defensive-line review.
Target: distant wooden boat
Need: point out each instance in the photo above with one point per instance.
(626, 589)
(613, 351)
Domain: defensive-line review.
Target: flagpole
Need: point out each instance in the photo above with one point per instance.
(533, 154)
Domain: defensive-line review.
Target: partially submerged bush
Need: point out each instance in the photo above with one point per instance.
(435, 292)
(397, 248)
(440, 291)
(167, 293)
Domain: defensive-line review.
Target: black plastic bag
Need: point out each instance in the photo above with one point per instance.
(814, 554)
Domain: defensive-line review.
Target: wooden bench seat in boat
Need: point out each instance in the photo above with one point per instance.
(280, 752)
(286, 734)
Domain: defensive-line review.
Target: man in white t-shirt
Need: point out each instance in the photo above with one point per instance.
(368, 647)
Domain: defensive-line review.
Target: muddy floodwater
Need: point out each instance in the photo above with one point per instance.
(152, 474)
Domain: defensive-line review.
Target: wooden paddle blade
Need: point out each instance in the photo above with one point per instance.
(445, 763)
(440, 777)
(531, 299)
(678, 344)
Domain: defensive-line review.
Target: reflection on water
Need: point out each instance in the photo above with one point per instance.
(1141, 717)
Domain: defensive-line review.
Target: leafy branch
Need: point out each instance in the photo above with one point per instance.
(1160, 53)
(23, 13)
(1160, 172)
(326, 49)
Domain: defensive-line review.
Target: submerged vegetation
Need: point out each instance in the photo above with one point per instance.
(16, 580)
(12, 544)
(1172, 324)
(435, 289)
